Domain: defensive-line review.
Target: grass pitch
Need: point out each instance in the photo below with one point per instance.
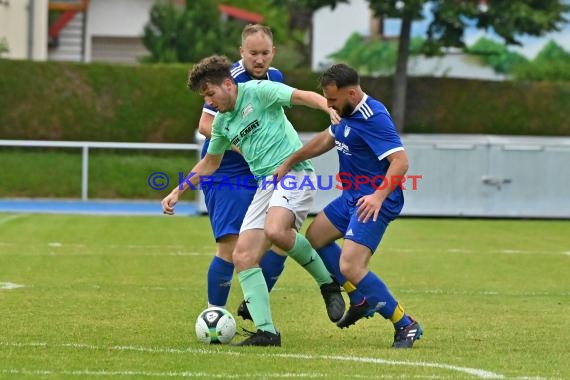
(90, 297)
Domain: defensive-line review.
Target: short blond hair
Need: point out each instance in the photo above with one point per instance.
(250, 29)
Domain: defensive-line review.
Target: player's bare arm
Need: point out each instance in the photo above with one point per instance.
(313, 100)
(205, 167)
(205, 128)
(205, 124)
(321, 143)
(369, 205)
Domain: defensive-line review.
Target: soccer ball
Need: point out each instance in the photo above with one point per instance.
(215, 325)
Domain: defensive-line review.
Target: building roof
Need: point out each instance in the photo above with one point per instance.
(240, 14)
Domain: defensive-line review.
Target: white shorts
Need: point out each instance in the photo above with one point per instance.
(295, 192)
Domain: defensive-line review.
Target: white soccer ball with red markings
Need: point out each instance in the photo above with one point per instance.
(215, 325)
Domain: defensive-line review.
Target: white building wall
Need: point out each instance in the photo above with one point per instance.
(118, 18)
(331, 28)
(115, 18)
(452, 66)
(15, 29)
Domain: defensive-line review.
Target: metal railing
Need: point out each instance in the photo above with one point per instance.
(86, 145)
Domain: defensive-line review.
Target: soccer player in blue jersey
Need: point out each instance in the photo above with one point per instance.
(227, 197)
(251, 117)
(372, 165)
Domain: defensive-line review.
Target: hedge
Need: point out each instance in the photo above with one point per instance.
(150, 103)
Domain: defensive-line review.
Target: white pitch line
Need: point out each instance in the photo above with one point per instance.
(10, 286)
(502, 251)
(477, 372)
(180, 250)
(95, 254)
(184, 374)
(10, 218)
(492, 293)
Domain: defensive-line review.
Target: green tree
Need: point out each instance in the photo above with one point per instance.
(552, 63)
(161, 33)
(201, 32)
(184, 35)
(496, 55)
(300, 16)
(552, 52)
(373, 55)
(368, 55)
(508, 19)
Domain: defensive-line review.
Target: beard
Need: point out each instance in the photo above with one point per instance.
(347, 110)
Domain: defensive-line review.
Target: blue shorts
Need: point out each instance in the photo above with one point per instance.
(227, 208)
(342, 214)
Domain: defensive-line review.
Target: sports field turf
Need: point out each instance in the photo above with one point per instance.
(117, 297)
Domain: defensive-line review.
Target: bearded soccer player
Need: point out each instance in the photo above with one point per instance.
(372, 163)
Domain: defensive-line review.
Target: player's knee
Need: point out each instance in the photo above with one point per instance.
(243, 260)
(277, 236)
(348, 270)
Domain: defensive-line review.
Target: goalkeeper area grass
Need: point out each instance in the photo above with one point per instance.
(91, 297)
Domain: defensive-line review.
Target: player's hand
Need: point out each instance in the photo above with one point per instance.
(281, 172)
(368, 207)
(169, 202)
(335, 119)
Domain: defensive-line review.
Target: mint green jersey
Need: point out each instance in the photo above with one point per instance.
(258, 127)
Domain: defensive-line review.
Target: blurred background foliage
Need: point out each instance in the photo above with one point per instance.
(376, 56)
(150, 103)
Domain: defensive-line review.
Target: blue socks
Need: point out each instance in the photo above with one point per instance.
(330, 254)
(272, 265)
(378, 296)
(219, 281)
(220, 275)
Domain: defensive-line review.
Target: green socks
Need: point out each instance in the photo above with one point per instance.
(256, 297)
(308, 258)
(254, 287)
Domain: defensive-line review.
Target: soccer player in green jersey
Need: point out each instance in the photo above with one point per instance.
(251, 117)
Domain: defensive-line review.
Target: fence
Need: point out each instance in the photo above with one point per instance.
(86, 145)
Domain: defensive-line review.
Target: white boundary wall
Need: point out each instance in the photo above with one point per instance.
(476, 176)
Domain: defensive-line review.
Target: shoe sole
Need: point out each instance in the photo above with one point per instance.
(354, 322)
(255, 345)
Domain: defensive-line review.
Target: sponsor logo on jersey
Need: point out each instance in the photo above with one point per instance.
(342, 147)
(244, 132)
(247, 110)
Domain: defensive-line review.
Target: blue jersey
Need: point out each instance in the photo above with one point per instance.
(363, 141)
(233, 168)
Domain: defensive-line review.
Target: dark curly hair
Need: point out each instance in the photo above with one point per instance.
(213, 69)
(340, 75)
